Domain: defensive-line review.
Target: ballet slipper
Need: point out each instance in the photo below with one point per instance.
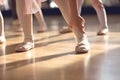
(2, 39)
(18, 28)
(16, 25)
(25, 46)
(65, 30)
(103, 31)
(40, 30)
(83, 46)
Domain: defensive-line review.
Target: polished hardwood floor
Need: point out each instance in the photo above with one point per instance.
(54, 58)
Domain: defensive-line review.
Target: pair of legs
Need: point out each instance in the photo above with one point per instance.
(2, 35)
(78, 29)
(39, 16)
(41, 21)
(16, 23)
(101, 13)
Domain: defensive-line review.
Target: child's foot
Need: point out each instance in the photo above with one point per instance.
(103, 31)
(83, 46)
(2, 39)
(25, 46)
(65, 30)
(17, 26)
(40, 30)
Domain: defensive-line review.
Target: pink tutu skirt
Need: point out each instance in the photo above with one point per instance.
(31, 6)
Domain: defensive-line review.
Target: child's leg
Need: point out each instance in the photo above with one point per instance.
(66, 29)
(15, 22)
(63, 8)
(41, 21)
(2, 35)
(98, 5)
(12, 5)
(79, 5)
(26, 23)
(79, 35)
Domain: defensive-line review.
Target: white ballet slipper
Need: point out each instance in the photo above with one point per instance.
(2, 39)
(40, 30)
(83, 46)
(103, 31)
(65, 30)
(25, 46)
(16, 25)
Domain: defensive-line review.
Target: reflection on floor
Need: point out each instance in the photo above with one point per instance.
(53, 57)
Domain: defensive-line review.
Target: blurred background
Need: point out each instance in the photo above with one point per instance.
(50, 8)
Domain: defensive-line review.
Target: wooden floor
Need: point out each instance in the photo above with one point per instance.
(54, 58)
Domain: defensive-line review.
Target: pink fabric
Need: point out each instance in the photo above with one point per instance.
(30, 6)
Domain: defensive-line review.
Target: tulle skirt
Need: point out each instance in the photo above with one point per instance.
(32, 6)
